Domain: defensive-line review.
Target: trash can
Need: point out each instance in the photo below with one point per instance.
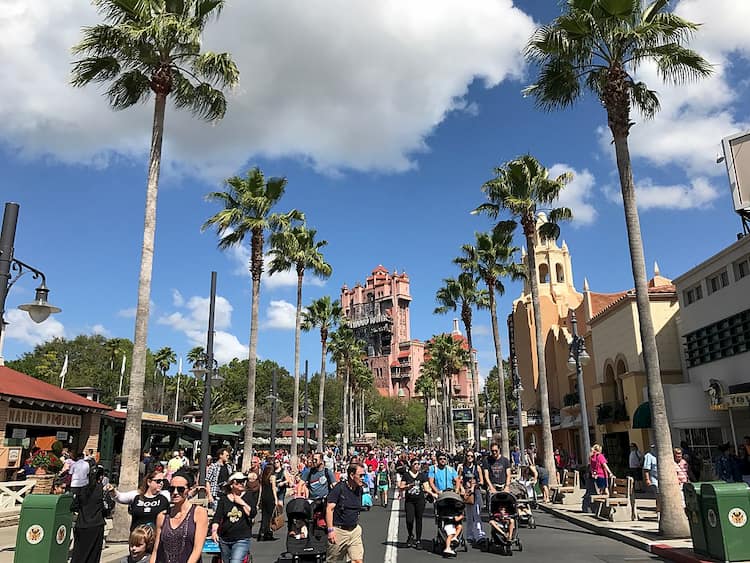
(693, 509)
(725, 508)
(44, 529)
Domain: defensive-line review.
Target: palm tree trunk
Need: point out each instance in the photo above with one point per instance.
(474, 384)
(504, 444)
(295, 401)
(673, 522)
(452, 425)
(549, 459)
(256, 269)
(131, 446)
(427, 416)
(345, 416)
(322, 386)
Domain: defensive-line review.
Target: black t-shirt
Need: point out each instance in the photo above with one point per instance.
(348, 504)
(415, 485)
(497, 468)
(223, 474)
(144, 510)
(89, 503)
(233, 523)
(469, 472)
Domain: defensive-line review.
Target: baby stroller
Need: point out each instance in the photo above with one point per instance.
(366, 497)
(503, 524)
(306, 538)
(448, 506)
(525, 502)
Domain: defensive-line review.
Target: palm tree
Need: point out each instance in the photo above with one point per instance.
(196, 355)
(425, 386)
(164, 358)
(297, 248)
(324, 314)
(462, 292)
(152, 46)
(597, 46)
(491, 259)
(247, 212)
(362, 379)
(522, 187)
(344, 348)
(448, 357)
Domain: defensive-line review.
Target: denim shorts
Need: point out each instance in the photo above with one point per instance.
(601, 482)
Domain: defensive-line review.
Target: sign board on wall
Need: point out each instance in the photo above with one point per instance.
(28, 417)
(19, 433)
(463, 415)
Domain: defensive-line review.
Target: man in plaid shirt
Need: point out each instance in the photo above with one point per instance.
(217, 475)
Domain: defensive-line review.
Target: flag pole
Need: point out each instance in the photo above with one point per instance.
(122, 375)
(63, 372)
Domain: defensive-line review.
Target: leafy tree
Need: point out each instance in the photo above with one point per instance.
(324, 314)
(164, 358)
(426, 386)
(297, 248)
(463, 293)
(248, 203)
(491, 259)
(522, 187)
(597, 45)
(154, 46)
(345, 348)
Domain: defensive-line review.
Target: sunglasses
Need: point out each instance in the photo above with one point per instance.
(239, 481)
(177, 489)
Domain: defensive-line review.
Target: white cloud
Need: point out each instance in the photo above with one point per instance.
(193, 322)
(577, 194)
(240, 256)
(21, 327)
(330, 70)
(281, 314)
(177, 299)
(100, 329)
(700, 193)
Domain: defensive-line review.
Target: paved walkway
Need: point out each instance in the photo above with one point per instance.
(642, 533)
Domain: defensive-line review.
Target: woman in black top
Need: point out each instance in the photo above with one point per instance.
(282, 480)
(472, 480)
(146, 503)
(232, 524)
(413, 486)
(88, 532)
(268, 501)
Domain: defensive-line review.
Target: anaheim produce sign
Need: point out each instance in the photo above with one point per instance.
(28, 417)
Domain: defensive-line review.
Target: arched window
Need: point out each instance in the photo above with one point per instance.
(560, 273)
(543, 273)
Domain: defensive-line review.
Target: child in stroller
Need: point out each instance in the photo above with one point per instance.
(525, 502)
(306, 537)
(449, 512)
(503, 523)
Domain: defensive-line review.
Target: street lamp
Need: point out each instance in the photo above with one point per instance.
(39, 309)
(577, 359)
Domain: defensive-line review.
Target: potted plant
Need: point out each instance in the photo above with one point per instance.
(45, 462)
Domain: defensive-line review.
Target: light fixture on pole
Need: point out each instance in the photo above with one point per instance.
(577, 359)
(39, 309)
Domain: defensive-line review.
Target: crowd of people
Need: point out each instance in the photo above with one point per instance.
(168, 526)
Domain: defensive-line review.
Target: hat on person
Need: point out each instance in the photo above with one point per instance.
(237, 476)
(175, 454)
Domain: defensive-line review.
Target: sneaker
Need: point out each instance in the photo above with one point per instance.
(418, 545)
(409, 541)
(449, 551)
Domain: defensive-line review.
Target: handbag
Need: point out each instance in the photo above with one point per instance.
(469, 498)
(278, 521)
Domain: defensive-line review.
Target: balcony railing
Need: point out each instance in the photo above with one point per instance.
(614, 411)
(571, 399)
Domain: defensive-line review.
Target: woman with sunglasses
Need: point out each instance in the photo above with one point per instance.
(232, 524)
(268, 502)
(472, 480)
(283, 480)
(181, 531)
(151, 498)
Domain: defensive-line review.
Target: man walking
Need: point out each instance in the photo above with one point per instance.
(318, 479)
(497, 471)
(651, 475)
(217, 475)
(442, 476)
(342, 517)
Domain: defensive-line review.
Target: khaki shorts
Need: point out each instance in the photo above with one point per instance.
(348, 545)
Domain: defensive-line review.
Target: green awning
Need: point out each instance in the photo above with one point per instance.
(642, 416)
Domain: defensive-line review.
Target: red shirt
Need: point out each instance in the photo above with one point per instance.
(372, 463)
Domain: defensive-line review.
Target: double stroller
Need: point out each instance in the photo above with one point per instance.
(449, 510)
(525, 501)
(306, 538)
(503, 524)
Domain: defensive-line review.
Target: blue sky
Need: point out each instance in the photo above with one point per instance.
(386, 117)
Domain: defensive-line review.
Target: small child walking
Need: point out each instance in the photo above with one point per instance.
(141, 544)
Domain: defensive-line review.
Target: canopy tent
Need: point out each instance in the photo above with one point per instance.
(642, 416)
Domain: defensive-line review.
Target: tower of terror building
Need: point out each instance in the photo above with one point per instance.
(378, 313)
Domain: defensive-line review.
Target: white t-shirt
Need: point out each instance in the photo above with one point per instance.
(649, 464)
(79, 473)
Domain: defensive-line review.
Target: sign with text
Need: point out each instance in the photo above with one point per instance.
(28, 417)
(463, 415)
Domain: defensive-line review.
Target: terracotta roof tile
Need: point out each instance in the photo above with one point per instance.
(600, 301)
(16, 384)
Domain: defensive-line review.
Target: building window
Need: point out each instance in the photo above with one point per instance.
(741, 268)
(690, 296)
(723, 339)
(543, 273)
(560, 273)
(718, 281)
(704, 442)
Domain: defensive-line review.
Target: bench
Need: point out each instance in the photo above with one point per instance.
(619, 505)
(569, 491)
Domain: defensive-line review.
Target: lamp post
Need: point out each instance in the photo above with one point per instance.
(577, 359)
(39, 309)
(517, 386)
(273, 398)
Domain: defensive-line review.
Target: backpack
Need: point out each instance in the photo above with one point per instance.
(94, 472)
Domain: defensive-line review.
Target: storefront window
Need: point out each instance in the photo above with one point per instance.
(704, 442)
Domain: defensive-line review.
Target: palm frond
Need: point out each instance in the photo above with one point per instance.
(129, 89)
(217, 68)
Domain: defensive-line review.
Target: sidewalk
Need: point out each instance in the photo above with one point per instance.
(642, 533)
